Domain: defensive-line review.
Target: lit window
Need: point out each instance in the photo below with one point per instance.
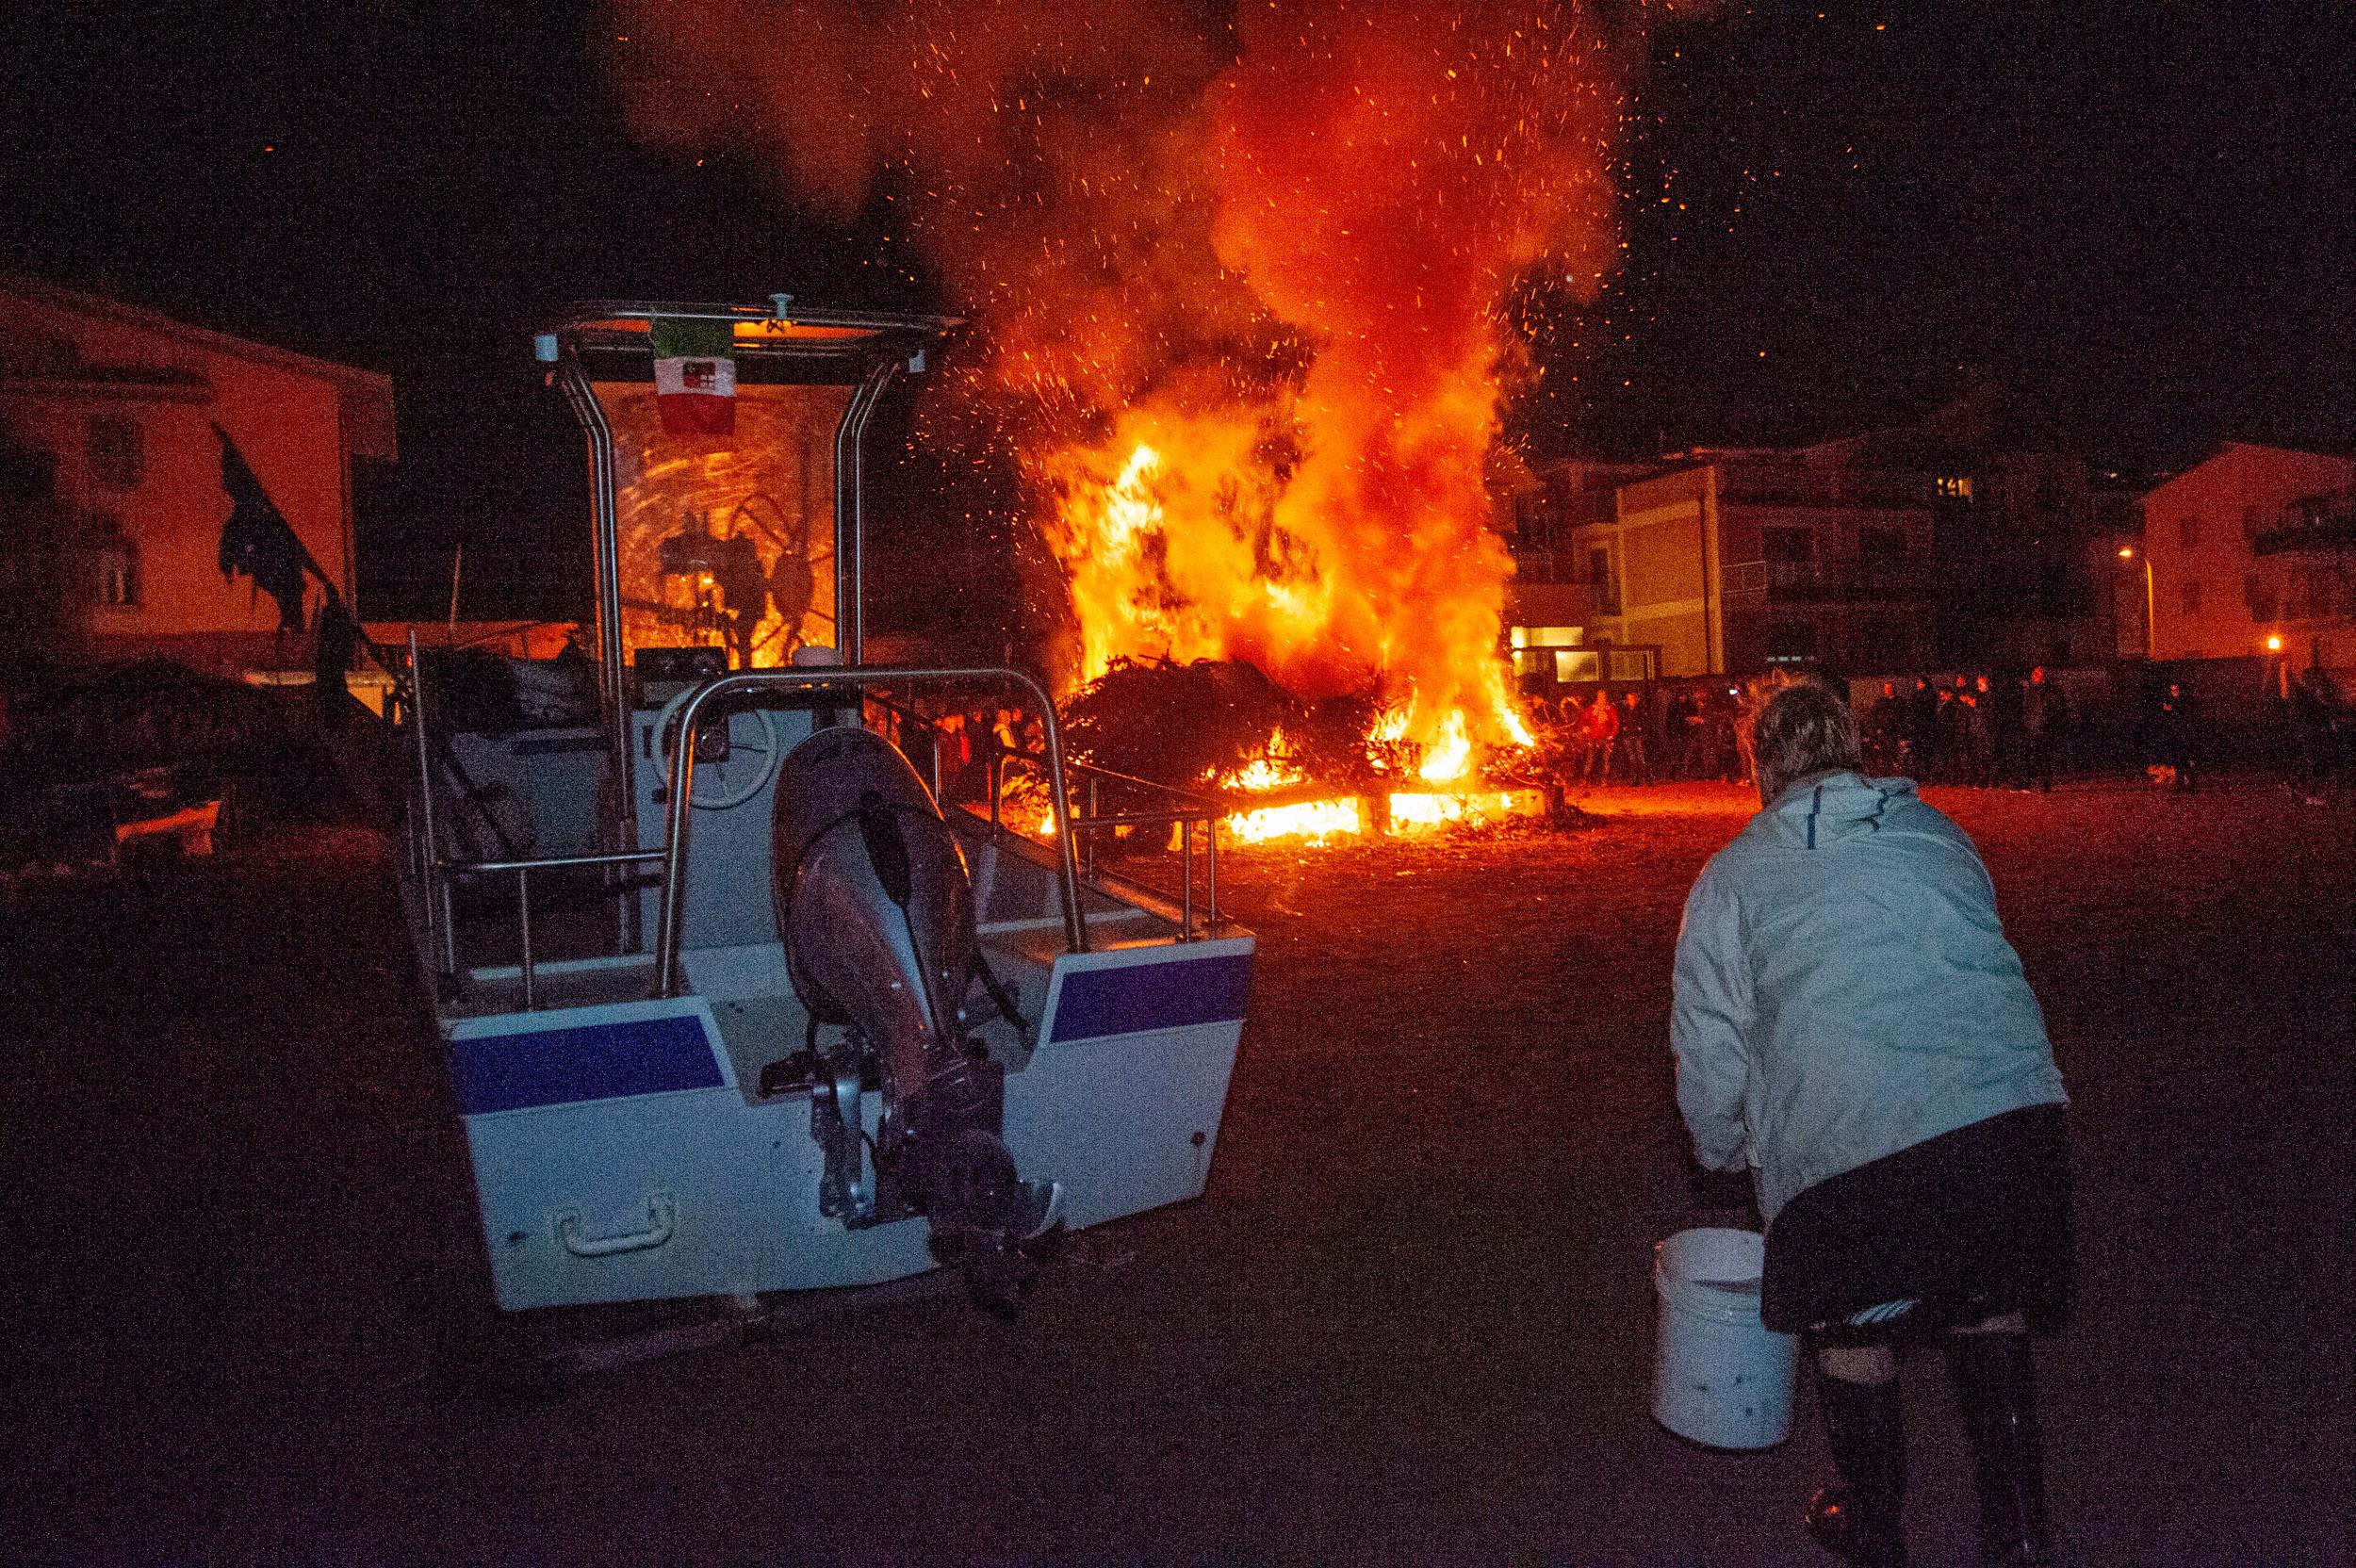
(115, 565)
(1546, 636)
(116, 449)
(1570, 667)
(1954, 487)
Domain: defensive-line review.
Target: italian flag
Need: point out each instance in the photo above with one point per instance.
(694, 376)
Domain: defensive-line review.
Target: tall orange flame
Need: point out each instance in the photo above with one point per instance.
(1243, 285)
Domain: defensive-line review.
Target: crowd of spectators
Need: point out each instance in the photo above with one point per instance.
(1970, 730)
(2018, 731)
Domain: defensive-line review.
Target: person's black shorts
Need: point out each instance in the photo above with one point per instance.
(1955, 1229)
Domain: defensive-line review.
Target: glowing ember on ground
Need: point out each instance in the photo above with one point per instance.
(1410, 812)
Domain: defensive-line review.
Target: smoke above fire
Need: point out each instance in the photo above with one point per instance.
(1243, 285)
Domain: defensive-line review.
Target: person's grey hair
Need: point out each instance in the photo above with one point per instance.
(1805, 728)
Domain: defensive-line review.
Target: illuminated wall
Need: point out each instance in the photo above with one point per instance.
(125, 401)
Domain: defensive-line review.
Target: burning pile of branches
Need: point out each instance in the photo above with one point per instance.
(1280, 766)
(1221, 726)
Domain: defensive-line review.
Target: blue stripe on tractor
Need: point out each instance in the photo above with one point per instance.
(595, 1061)
(1133, 997)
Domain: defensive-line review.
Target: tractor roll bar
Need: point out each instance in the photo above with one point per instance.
(858, 677)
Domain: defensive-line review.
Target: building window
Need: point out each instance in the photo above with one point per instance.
(1787, 543)
(2188, 530)
(1570, 668)
(1601, 582)
(2257, 592)
(1952, 487)
(2252, 521)
(114, 566)
(2190, 595)
(116, 448)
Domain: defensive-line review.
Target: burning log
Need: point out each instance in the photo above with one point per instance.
(1281, 767)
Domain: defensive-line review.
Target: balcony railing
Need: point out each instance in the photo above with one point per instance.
(2328, 530)
(1832, 577)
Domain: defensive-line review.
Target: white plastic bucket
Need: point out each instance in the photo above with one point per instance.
(1719, 1377)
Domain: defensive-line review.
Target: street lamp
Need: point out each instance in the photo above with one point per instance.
(2127, 552)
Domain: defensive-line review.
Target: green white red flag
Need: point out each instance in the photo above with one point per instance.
(695, 375)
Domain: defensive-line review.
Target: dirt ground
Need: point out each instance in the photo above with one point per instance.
(1412, 1320)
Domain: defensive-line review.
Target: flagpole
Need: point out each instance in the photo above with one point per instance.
(457, 563)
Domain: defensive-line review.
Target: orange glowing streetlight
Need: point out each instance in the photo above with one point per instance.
(2150, 608)
(2274, 642)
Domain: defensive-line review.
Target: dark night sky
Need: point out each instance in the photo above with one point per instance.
(2138, 216)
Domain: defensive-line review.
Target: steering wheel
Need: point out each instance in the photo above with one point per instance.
(765, 749)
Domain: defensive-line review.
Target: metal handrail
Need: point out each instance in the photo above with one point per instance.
(443, 869)
(1202, 804)
(1194, 808)
(551, 862)
(859, 677)
(1072, 764)
(522, 871)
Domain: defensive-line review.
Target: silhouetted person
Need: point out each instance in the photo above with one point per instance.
(1599, 733)
(1979, 730)
(2179, 742)
(2320, 720)
(1885, 731)
(2044, 712)
(1951, 758)
(334, 638)
(1635, 719)
(1921, 730)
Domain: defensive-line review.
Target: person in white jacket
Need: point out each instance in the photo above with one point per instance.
(1851, 1026)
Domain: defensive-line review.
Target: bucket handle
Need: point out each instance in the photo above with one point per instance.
(661, 1209)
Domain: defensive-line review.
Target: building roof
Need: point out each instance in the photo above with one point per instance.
(367, 395)
(2227, 449)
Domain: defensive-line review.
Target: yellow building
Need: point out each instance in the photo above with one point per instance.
(1723, 562)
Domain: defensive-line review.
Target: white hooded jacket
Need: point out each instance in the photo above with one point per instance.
(1844, 989)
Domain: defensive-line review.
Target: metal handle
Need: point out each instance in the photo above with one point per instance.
(667, 906)
(660, 1208)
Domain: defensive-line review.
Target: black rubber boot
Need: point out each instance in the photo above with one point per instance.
(1996, 1386)
(1856, 1516)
